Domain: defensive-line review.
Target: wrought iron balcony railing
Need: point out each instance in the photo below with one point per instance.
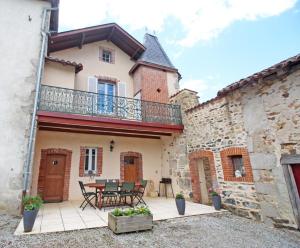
(71, 101)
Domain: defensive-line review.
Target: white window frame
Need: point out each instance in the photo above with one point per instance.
(90, 155)
(106, 54)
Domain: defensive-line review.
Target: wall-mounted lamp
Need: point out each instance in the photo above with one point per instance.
(112, 145)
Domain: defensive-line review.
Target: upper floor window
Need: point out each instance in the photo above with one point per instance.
(106, 56)
(90, 161)
(238, 166)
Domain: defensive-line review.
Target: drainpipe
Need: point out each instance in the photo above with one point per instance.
(28, 162)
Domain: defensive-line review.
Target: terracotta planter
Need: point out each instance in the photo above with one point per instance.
(216, 199)
(29, 217)
(180, 204)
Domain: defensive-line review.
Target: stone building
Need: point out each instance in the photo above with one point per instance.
(253, 126)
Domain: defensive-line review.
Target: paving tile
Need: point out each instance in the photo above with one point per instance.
(57, 217)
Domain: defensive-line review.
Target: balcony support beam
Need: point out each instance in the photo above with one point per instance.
(62, 120)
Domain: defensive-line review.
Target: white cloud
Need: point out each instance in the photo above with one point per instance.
(200, 19)
(198, 85)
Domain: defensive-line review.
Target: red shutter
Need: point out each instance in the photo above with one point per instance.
(81, 161)
(99, 160)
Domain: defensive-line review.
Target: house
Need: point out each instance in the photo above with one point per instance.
(106, 106)
(246, 143)
(24, 24)
(103, 112)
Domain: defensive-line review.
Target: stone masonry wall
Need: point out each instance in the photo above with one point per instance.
(262, 120)
(214, 127)
(271, 112)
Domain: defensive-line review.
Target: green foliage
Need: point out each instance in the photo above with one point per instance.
(32, 202)
(143, 210)
(213, 192)
(179, 196)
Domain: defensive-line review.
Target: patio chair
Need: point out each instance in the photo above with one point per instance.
(110, 193)
(88, 197)
(139, 193)
(126, 190)
(101, 181)
(113, 180)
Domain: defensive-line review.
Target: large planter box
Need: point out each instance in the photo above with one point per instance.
(124, 224)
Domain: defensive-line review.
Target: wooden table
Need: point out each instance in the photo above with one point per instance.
(99, 187)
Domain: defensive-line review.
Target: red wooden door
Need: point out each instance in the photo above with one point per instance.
(296, 172)
(54, 178)
(130, 169)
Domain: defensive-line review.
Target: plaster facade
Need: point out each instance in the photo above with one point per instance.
(20, 47)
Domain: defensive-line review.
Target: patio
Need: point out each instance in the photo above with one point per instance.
(67, 216)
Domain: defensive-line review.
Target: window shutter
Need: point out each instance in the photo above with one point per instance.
(92, 84)
(81, 161)
(122, 89)
(99, 160)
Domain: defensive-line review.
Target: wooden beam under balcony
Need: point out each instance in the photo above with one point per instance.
(103, 125)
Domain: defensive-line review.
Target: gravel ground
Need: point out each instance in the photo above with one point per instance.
(219, 230)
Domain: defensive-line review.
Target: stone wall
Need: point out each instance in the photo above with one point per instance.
(19, 51)
(216, 126)
(260, 119)
(271, 115)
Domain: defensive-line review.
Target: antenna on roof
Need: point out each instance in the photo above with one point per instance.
(146, 29)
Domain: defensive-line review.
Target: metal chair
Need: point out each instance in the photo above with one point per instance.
(165, 182)
(139, 193)
(101, 181)
(88, 197)
(126, 190)
(110, 192)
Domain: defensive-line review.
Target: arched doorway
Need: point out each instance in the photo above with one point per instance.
(54, 174)
(203, 175)
(131, 166)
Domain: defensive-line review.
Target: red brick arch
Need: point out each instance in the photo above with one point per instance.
(193, 157)
(41, 179)
(228, 167)
(140, 163)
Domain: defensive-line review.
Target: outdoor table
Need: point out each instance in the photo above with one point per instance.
(100, 187)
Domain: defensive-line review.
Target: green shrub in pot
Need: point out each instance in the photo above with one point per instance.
(31, 206)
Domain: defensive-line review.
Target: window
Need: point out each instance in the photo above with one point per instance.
(106, 56)
(105, 101)
(90, 161)
(238, 166)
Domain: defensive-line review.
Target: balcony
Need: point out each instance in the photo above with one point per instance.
(128, 113)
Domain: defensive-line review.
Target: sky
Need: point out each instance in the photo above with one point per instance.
(213, 43)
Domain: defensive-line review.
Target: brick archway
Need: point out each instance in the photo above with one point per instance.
(193, 157)
(42, 171)
(140, 163)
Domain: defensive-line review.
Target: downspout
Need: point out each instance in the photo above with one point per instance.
(31, 144)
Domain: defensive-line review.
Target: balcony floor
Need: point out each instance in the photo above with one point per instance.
(61, 122)
(67, 216)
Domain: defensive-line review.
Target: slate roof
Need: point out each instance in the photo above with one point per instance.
(154, 52)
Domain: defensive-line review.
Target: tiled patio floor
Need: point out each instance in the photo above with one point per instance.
(66, 216)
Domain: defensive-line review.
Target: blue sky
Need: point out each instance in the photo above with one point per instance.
(212, 43)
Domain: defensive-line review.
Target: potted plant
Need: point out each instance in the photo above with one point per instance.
(31, 205)
(130, 220)
(180, 203)
(216, 199)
